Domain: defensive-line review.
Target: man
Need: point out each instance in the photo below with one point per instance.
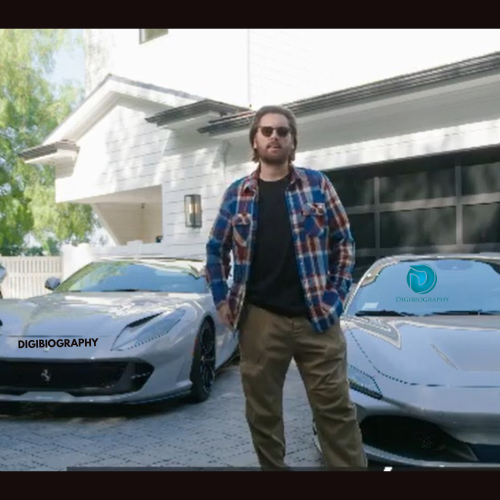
(293, 255)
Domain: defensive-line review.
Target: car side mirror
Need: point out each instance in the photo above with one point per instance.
(52, 283)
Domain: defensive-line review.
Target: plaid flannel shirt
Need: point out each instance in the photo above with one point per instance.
(322, 238)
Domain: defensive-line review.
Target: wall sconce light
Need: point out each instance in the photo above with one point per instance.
(192, 210)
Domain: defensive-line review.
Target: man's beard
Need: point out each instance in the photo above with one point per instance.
(274, 160)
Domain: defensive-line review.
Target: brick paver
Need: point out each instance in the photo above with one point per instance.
(172, 434)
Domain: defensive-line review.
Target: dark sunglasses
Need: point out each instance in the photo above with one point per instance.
(268, 131)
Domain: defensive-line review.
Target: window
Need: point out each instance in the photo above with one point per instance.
(481, 179)
(481, 223)
(414, 228)
(354, 189)
(148, 35)
(425, 184)
(480, 172)
(363, 230)
(466, 283)
(124, 276)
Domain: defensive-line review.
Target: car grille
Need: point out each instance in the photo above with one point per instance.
(487, 453)
(414, 439)
(83, 378)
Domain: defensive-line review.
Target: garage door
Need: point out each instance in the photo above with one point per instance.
(444, 203)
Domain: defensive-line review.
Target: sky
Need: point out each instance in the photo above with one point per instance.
(70, 65)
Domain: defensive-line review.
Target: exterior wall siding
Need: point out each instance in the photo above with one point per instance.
(252, 67)
(119, 153)
(206, 62)
(198, 171)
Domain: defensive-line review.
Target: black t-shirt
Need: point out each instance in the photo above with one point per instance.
(274, 282)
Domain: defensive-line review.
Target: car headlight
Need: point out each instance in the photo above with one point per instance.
(135, 336)
(361, 382)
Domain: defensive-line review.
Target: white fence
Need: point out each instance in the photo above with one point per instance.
(26, 275)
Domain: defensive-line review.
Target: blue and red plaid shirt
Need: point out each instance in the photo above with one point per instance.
(324, 245)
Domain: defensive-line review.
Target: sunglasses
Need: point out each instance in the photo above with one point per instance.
(268, 131)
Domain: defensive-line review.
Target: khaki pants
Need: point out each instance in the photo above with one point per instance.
(268, 343)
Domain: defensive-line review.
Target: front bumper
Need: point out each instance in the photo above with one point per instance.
(75, 378)
(400, 435)
(112, 381)
(97, 374)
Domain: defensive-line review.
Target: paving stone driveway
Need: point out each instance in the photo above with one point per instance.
(173, 434)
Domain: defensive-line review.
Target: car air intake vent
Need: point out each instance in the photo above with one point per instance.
(142, 321)
(414, 439)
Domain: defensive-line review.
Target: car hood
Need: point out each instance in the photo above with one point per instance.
(81, 314)
(460, 351)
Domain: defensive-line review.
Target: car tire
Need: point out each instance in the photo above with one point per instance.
(203, 366)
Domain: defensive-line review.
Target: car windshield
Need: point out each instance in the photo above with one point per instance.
(430, 286)
(126, 276)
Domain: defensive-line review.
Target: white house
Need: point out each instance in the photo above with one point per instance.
(414, 157)
(251, 67)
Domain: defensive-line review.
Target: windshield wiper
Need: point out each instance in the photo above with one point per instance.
(383, 312)
(469, 312)
(128, 290)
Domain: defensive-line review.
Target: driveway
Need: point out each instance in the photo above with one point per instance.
(172, 434)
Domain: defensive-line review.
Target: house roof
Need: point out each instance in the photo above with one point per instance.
(187, 110)
(68, 147)
(99, 102)
(205, 107)
(61, 143)
(422, 80)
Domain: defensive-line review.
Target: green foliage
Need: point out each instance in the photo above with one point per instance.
(31, 107)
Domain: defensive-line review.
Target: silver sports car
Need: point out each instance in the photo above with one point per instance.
(117, 331)
(423, 340)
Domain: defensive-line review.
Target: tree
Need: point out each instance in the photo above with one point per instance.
(31, 107)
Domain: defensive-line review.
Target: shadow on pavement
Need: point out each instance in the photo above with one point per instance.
(92, 410)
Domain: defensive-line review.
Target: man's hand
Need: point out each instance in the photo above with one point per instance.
(225, 315)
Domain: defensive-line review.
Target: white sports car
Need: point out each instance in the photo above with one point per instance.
(119, 330)
(423, 349)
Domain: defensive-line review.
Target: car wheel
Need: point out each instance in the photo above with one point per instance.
(203, 367)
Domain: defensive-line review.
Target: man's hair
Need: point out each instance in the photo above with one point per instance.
(278, 110)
